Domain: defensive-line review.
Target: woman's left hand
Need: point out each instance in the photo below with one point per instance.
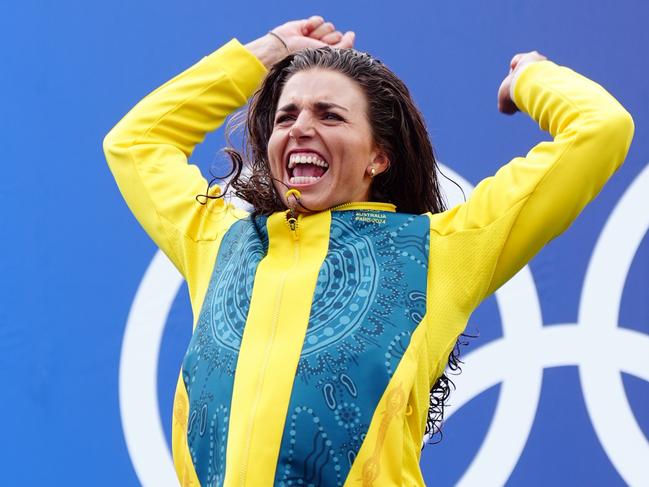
(505, 103)
(294, 35)
(313, 32)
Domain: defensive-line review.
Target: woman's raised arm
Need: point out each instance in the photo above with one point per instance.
(532, 199)
(148, 150)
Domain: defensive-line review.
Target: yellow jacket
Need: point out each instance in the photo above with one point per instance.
(314, 350)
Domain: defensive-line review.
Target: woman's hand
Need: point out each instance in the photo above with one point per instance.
(299, 34)
(505, 102)
(312, 32)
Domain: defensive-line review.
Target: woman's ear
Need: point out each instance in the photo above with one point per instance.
(380, 163)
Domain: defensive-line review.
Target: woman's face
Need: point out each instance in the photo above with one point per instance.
(321, 142)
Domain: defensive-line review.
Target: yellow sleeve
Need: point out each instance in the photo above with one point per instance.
(532, 199)
(148, 150)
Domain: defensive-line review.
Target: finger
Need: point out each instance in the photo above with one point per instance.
(538, 55)
(541, 57)
(347, 42)
(311, 24)
(507, 106)
(322, 30)
(332, 38)
(515, 60)
(505, 103)
(313, 43)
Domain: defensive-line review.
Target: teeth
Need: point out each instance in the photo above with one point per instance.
(306, 159)
(303, 180)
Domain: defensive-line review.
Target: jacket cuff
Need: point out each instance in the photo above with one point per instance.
(519, 77)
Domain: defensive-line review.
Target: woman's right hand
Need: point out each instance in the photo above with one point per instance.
(506, 103)
(299, 34)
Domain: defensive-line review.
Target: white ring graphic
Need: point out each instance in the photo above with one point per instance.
(596, 344)
(138, 374)
(520, 314)
(622, 440)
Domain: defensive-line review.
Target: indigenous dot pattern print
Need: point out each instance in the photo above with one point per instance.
(210, 362)
(369, 298)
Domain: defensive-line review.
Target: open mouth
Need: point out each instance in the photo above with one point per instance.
(305, 168)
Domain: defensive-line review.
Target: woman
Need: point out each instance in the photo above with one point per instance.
(323, 320)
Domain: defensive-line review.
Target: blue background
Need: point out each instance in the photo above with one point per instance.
(73, 256)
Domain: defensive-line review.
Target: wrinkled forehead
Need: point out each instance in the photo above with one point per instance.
(307, 89)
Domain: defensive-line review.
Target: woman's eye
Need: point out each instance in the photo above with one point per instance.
(332, 116)
(325, 116)
(283, 118)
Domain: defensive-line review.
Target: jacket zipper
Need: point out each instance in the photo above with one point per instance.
(293, 227)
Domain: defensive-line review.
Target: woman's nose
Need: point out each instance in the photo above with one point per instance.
(303, 126)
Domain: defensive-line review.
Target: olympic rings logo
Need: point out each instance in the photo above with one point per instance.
(595, 344)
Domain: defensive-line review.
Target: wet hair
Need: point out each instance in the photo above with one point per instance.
(398, 129)
(410, 181)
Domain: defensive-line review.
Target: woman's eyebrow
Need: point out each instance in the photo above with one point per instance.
(319, 106)
(322, 106)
